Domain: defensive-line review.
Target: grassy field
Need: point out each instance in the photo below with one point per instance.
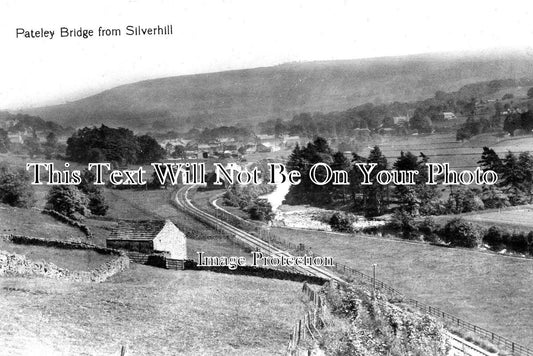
(443, 148)
(152, 312)
(31, 222)
(74, 260)
(515, 219)
(489, 290)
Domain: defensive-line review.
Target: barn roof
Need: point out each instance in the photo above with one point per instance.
(139, 230)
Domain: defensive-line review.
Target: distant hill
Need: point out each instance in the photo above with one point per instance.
(249, 96)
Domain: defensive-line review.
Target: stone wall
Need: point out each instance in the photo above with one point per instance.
(12, 264)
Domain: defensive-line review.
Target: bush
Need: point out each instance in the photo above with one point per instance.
(496, 236)
(97, 204)
(405, 222)
(430, 229)
(67, 200)
(15, 188)
(499, 238)
(459, 232)
(342, 222)
(260, 209)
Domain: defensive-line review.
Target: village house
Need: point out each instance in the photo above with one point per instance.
(448, 116)
(399, 120)
(268, 143)
(144, 238)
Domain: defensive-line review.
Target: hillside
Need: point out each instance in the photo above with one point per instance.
(151, 311)
(253, 95)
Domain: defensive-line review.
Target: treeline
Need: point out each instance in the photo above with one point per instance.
(24, 122)
(461, 233)
(119, 146)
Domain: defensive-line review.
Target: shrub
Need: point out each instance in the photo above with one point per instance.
(342, 222)
(67, 200)
(15, 188)
(495, 236)
(459, 232)
(260, 209)
(500, 238)
(405, 222)
(430, 229)
(97, 204)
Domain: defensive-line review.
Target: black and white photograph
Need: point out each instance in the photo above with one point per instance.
(250, 177)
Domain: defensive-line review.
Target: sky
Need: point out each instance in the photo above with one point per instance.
(220, 35)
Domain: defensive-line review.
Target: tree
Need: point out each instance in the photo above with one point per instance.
(342, 222)
(15, 188)
(97, 204)
(96, 200)
(375, 195)
(50, 145)
(261, 210)
(405, 222)
(4, 141)
(105, 143)
(302, 159)
(149, 150)
(464, 200)
(493, 197)
(459, 232)
(67, 200)
(490, 161)
(179, 152)
(422, 123)
(33, 145)
(51, 140)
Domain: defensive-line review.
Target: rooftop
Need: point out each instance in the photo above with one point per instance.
(140, 230)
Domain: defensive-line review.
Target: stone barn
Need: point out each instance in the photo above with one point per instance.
(147, 239)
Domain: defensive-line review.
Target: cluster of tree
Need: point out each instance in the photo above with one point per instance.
(247, 198)
(518, 121)
(15, 187)
(474, 126)
(5, 143)
(462, 233)
(515, 183)
(82, 199)
(302, 159)
(24, 122)
(51, 148)
(106, 144)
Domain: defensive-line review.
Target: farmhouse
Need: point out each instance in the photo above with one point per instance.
(149, 237)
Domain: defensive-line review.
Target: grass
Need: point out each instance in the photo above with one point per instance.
(71, 259)
(512, 218)
(31, 222)
(489, 290)
(152, 312)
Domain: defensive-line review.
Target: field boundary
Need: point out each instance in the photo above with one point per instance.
(17, 264)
